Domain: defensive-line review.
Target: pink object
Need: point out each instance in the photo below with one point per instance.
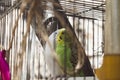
(4, 67)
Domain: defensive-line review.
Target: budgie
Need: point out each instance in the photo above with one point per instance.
(4, 67)
(66, 51)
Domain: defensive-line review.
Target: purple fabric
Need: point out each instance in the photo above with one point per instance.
(4, 67)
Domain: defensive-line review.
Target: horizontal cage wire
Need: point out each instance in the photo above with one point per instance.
(26, 57)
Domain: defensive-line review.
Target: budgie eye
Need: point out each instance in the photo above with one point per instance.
(60, 37)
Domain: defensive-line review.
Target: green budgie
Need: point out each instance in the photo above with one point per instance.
(66, 51)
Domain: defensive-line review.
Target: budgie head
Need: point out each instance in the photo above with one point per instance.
(63, 37)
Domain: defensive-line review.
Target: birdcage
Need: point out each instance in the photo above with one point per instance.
(25, 27)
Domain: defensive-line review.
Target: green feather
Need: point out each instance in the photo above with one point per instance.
(64, 45)
(63, 50)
